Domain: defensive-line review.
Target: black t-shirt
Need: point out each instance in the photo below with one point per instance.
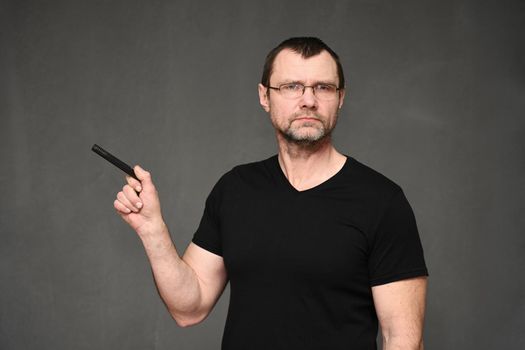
(301, 264)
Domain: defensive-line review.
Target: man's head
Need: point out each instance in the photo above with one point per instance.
(302, 88)
(306, 47)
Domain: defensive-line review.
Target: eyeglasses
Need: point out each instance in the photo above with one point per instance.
(325, 92)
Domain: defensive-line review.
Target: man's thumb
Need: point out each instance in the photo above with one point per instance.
(143, 175)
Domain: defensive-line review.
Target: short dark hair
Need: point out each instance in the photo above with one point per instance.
(306, 47)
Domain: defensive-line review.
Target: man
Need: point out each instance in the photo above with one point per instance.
(317, 247)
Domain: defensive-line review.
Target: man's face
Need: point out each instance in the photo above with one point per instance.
(305, 119)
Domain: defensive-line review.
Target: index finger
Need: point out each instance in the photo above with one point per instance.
(134, 183)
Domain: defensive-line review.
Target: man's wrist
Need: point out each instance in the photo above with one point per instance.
(158, 242)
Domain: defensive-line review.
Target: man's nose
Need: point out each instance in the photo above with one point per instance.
(308, 100)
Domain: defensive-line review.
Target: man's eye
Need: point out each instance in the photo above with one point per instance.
(324, 87)
(291, 87)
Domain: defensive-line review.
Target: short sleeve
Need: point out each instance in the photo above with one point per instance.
(395, 248)
(208, 234)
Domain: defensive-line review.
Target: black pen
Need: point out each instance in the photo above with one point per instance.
(114, 160)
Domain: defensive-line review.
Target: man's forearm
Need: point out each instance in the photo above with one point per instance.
(177, 283)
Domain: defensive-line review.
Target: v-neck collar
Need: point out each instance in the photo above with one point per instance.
(283, 180)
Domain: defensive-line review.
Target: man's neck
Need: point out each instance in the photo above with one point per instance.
(308, 165)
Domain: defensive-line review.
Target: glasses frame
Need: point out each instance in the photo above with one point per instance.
(278, 88)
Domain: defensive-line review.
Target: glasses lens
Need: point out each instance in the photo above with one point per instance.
(291, 90)
(325, 91)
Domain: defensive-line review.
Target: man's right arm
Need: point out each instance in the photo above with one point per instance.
(189, 286)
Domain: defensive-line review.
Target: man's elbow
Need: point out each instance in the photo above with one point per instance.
(402, 343)
(185, 321)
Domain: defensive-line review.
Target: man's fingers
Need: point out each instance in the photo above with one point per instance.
(121, 197)
(132, 196)
(121, 207)
(142, 174)
(134, 183)
(147, 186)
(139, 197)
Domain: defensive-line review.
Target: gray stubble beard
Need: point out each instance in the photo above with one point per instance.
(324, 134)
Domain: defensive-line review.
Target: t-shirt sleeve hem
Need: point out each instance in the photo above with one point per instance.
(398, 276)
(207, 246)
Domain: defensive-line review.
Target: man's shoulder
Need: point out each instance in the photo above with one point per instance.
(369, 179)
(255, 165)
(261, 169)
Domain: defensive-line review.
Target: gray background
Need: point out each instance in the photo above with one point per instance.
(436, 101)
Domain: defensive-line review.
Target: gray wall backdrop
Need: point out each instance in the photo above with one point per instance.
(436, 103)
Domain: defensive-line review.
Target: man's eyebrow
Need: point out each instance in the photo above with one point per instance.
(291, 81)
(324, 82)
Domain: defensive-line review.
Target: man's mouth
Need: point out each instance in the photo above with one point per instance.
(306, 118)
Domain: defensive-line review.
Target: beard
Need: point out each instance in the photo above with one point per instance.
(306, 133)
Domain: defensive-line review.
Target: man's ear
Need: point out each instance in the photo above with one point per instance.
(342, 94)
(264, 99)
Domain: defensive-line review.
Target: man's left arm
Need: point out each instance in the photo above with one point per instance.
(400, 308)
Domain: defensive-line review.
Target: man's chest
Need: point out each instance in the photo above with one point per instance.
(300, 238)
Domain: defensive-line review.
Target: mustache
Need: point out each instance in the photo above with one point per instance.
(309, 114)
